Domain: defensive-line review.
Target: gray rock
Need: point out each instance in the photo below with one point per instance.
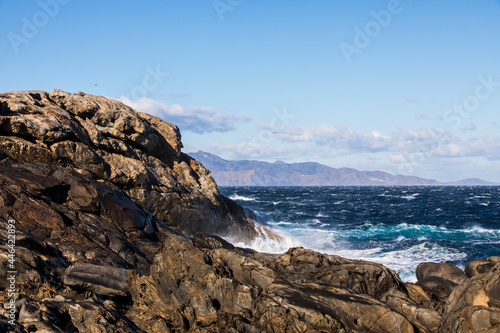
(106, 281)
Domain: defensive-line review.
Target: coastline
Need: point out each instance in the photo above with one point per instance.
(118, 230)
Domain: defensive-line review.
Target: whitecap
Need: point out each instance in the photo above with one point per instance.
(284, 223)
(410, 197)
(241, 198)
(400, 239)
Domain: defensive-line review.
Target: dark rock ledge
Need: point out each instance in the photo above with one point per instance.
(115, 233)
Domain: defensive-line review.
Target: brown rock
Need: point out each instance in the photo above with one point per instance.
(362, 276)
(475, 267)
(443, 271)
(425, 319)
(439, 280)
(474, 306)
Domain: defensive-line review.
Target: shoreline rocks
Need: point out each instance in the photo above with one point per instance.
(118, 231)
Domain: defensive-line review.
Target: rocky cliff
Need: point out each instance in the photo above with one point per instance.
(111, 225)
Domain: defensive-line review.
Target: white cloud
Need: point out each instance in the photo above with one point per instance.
(342, 138)
(335, 140)
(487, 147)
(192, 118)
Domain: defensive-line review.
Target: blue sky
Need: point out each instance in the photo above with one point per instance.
(409, 87)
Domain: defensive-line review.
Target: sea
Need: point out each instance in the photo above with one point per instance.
(397, 226)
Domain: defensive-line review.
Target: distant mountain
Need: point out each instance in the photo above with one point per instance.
(256, 173)
(472, 181)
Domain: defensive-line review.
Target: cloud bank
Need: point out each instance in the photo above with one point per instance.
(335, 140)
(192, 118)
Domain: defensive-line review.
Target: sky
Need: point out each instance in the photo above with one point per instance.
(408, 87)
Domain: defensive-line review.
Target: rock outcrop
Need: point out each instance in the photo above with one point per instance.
(116, 232)
(103, 158)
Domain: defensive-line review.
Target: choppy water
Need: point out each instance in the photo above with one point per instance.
(399, 227)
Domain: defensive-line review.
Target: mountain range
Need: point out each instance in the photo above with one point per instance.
(258, 173)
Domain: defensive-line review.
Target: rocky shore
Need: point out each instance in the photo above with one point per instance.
(115, 232)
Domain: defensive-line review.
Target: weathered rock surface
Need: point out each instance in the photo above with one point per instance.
(130, 164)
(102, 280)
(118, 231)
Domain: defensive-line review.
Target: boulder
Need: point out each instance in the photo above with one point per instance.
(476, 267)
(439, 280)
(442, 271)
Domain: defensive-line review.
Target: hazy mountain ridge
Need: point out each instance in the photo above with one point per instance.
(257, 173)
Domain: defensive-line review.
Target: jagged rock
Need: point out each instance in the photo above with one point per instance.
(328, 308)
(425, 319)
(104, 140)
(362, 276)
(234, 283)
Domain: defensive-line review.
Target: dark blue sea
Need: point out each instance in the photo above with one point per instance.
(399, 227)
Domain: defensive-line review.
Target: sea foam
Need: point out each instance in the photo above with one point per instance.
(237, 197)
